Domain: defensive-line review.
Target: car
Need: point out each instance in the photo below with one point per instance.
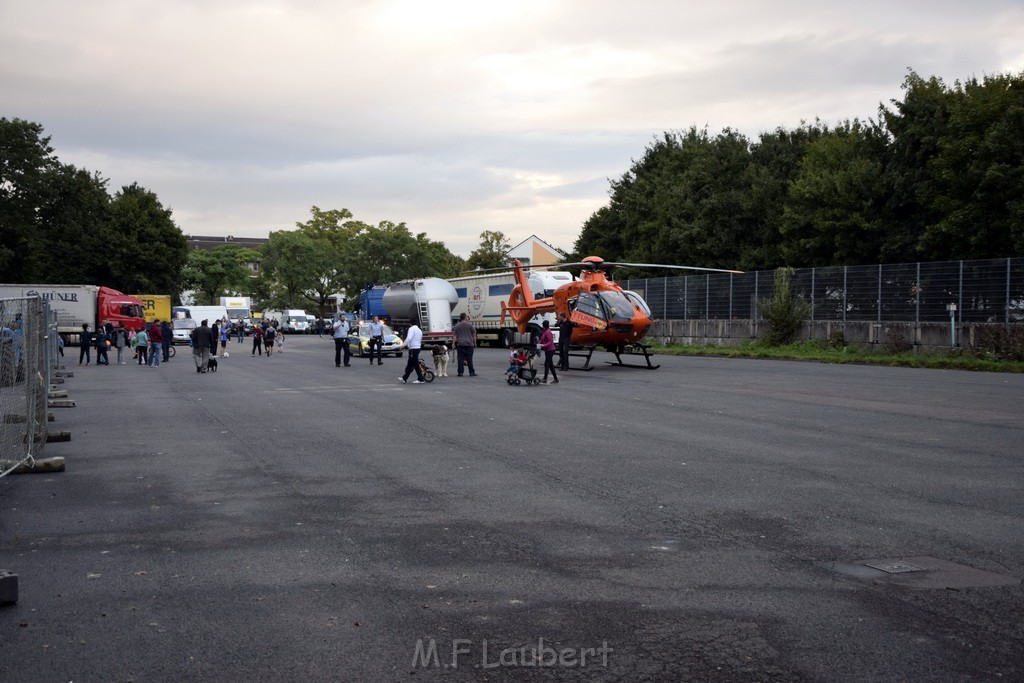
(182, 330)
(359, 342)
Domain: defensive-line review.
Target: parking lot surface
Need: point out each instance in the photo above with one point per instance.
(716, 519)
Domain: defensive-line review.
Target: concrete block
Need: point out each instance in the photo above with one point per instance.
(8, 588)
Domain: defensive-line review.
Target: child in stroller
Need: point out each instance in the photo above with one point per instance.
(520, 368)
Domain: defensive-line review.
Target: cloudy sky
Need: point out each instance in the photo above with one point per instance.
(454, 116)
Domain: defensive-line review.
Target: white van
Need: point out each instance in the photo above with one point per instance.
(295, 320)
(289, 320)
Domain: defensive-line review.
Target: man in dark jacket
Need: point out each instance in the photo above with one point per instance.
(168, 334)
(202, 341)
(564, 339)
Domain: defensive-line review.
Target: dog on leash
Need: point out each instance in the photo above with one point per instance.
(440, 353)
(211, 365)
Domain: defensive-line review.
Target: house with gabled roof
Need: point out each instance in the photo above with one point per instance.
(536, 252)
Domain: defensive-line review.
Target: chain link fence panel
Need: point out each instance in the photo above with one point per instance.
(27, 357)
(981, 291)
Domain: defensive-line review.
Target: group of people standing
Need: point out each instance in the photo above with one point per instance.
(150, 345)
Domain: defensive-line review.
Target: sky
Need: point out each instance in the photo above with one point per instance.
(452, 116)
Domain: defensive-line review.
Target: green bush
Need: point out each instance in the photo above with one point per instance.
(784, 313)
(999, 342)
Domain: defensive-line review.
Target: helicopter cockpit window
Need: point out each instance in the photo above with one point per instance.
(590, 304)
(618, 307)
(639, 302)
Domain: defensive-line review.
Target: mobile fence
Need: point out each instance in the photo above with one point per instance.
(978, 291)
(28, 356)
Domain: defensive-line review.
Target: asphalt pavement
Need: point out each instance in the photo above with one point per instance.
(716, 519)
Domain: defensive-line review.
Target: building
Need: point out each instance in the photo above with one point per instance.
(534, 251)
(207, 243)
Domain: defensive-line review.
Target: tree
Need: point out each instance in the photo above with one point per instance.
(74, 228)
(219, 272)
(492, 252)
(834, 212)
(145, 250)
(294, 261)
(26, 160)
(977, 175)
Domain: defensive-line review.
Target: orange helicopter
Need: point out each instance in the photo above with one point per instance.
(604, 314)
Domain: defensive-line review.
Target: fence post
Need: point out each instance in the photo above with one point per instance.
(664, 298)
(812, 293)
(686, 298)
(917, 297)
(730, 296)
(878, 302)
(960, 301)
(1007, 292)
(707, 297)
(845, 295)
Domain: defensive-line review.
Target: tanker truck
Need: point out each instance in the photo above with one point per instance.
(427, 302)
(481, 296)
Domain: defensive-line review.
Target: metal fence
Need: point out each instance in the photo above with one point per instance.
(28, 355)
(990, 290)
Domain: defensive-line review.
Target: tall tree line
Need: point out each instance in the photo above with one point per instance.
(59, 224)
(939, 175)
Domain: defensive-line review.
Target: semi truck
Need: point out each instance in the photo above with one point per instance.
(481, 297)
(75, 305)
(155, 306)
(425, 301)
(371, 302)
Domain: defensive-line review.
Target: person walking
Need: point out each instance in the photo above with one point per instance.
(257, 340)
(215, 328)
(168, 336)
(141, 344)
(341, 342)
(84, 344)
(564, 339)
(202, 341)
(101, 346)
(120, 341)
(377, 340)
(268, 340)
(156, 344)
(240, 330)
(413, 342)
(465, 343)
(320, 327)
(225, 335)
(547, 342)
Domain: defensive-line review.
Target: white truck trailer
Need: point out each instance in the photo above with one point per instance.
(425, 301)
(481, 297)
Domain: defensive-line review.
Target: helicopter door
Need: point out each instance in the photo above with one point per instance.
(589, 312)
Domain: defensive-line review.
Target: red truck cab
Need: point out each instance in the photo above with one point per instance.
(120, 309)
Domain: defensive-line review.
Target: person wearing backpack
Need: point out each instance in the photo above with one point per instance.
(268, 340)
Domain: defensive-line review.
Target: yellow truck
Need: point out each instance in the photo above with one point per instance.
(156, 306)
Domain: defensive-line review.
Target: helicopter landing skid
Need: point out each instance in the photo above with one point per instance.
(633, 349)
(586, 363)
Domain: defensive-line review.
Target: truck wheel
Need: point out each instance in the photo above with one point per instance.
(505, 338)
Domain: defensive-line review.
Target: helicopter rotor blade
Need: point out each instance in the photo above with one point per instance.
(664, 265)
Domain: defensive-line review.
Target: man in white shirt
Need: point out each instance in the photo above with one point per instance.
(341, 341)
(413, 341)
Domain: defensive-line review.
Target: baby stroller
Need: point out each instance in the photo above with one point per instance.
(520, 367)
